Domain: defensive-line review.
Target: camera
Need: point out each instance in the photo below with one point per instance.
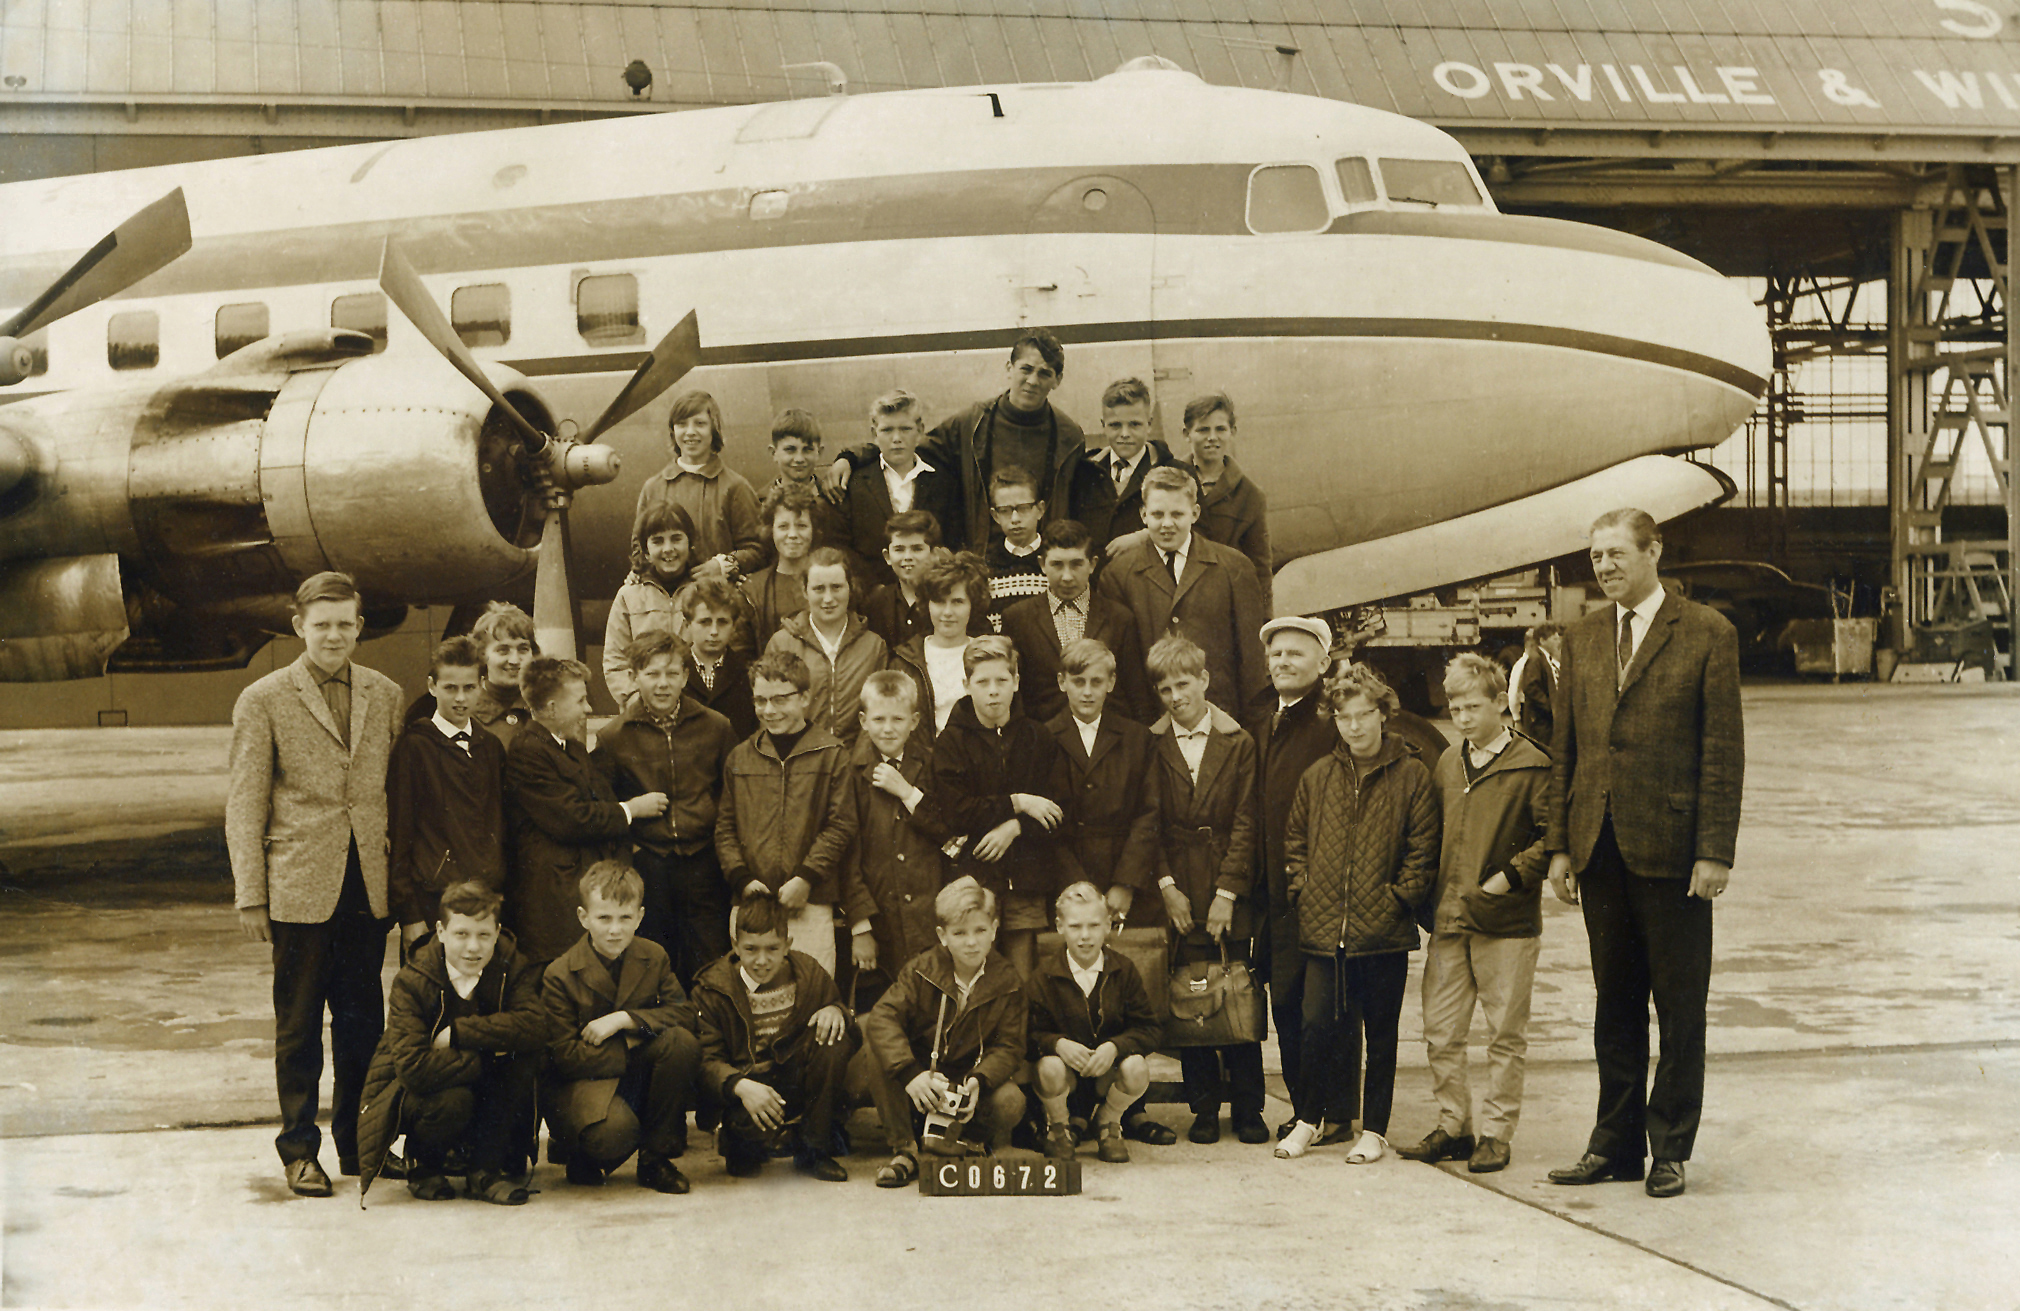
(943, 1123)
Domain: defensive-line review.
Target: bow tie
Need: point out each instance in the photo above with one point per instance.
(460, 736)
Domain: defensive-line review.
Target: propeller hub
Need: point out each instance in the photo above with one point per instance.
(584, 464)
(17, 461)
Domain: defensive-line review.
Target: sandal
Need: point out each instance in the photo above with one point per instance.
(430, 1188)
(497, 1190)
(1371, 1147)
(1298, 1141)
(901, 1169)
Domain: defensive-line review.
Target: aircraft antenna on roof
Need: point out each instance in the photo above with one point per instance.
(1286, 56)
(838, 81)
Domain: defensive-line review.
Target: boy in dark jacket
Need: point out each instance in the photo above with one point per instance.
(718, 675)
(461, 1053)
(668, 743)
(775, 1045)
(1112, 831)
(785, 821)
(563, 815)
(1205, 783)
(1487, 922)
(445, 795)
(998, 781)
(952, 1027)
(893, 867)
(1090, 1019)
(620, 1041)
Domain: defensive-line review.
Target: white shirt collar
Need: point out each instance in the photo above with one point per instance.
(919, 466)
(1088, 732)
(559, 740)
(1088, 977)
(449, 730)
(1130, 464)
(1491, 750)
(1026, 552)
(464, 984)
(1179, 557)
(1645, 611)
(749, 984)
(1201, 729)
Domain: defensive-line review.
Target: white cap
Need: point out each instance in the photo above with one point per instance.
(1313, 628)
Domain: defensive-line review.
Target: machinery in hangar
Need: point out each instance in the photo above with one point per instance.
(1856, 164)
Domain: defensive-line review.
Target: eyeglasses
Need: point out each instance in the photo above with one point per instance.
(1029, 507)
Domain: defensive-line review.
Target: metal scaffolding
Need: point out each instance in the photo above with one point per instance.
(1950, 361)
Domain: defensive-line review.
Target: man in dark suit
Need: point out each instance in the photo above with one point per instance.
(1174, 580)
(1291, 736)
(561, 810)
(1042, 626)
(899, 481)
(1108, 483)
(305, 823)
(1643, 814)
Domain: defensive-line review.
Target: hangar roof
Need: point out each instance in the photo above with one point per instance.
(1757, 66)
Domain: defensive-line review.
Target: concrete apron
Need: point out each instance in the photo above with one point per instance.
(1864, 1030)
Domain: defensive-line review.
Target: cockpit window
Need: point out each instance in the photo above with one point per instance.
(1286, 198)
(1357, 181)
(1429, 182)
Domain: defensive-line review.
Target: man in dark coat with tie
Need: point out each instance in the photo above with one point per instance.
(1293, 730)
(1643, 814)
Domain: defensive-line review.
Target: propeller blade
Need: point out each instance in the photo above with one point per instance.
(553, 607)
(125, 255)
(677, 353)
(403, 287)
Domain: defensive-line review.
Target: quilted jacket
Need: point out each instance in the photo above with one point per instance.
(1361, 850)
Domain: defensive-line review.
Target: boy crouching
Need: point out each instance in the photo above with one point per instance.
(457, 1066)
(775, 1045)
(1090, 1020)
(621, 1046)
(949, 1033)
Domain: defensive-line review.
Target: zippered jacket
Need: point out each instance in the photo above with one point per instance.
(784, 818)
(1494, 824)
(1361, 849)
(1117, 1011)
(985, 1038)
(725, 1024)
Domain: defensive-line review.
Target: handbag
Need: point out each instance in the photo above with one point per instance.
(1214, 1003)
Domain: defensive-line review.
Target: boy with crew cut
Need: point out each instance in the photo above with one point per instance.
(445, 795)
(785, 820)
(718, 675)
(999, 779)
(953, 1022)
(1205, 786)
(796, 454)
(1108, 483)
(668, 743)
(621, 1050)
(461, 1056)
(563, 815)
(1043, 626)
(775, 1046)
(895, 860)
(1487, 925)
(1014, 568)
(901, 481)
(1091, 1027)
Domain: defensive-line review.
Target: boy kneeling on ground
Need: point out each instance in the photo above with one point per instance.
(1091, 1026)
(950, 1030)
(621, 1046)
(775, 1045)
(457, 1066)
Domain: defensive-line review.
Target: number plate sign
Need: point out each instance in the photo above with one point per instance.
(984, 1176)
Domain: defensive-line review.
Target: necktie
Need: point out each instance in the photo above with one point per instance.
(1121, 473)
(1171, 565)
(1626, 645)
(462, 739)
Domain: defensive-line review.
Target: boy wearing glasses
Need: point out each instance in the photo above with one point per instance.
(1016, 560)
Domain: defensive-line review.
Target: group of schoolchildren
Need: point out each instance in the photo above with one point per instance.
(809, 861)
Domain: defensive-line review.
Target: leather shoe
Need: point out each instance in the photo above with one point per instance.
(663, 1176)
(1205, 1128)
(307, 1179)
(1593, 1169)
(1665, 1179)
(1109, 1146)
(1489, 1156)
(585, 1174)
(1437, 1146)
(1143, 1129)
(1059, 1143)
(1251, 1129)
(824, 1168)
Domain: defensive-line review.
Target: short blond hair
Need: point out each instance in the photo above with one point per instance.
(1469, 671)
(962, 898)
(1082, 893)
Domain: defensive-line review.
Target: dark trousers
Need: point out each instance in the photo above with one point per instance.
(334, 964)
(1232, 1074)
(686, 908)
(1345, 997)
(649, 1113)
(1650, 938)
(810, 1078)
(485, 1117)
(1287, 1013)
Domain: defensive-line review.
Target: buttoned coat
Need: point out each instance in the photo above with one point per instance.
(1662, 749)
(576, 989)
(1216, 603)
(564, 818)
(298, 797)
(1111, 823)
(1028, 624)
(1283, 753)
(1208, 827)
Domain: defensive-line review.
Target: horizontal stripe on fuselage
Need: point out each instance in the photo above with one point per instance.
(1241, 328)
(1176, 200)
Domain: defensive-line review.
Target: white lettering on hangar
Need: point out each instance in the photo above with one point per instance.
(1726, 84)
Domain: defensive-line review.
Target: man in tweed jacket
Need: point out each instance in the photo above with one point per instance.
(305, 821)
